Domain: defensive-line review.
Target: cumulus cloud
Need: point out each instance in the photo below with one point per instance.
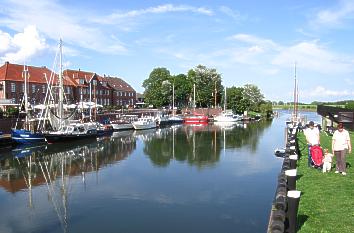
(22, 46)
(56, 21)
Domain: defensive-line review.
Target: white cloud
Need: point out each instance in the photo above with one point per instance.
(22, 46)
(231, 13)
(254, 40)
(335, 17)
(312, 56)
(124, 17)
(321, 91)
(55, 21)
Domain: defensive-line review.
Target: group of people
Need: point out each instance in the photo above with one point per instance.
(341, 145)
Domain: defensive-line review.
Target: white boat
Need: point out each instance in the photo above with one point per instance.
(146, 122)
(226, 117)
(121, 125)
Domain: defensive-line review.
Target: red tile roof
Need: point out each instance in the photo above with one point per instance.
(13, 72)
(118, 84)
(79, 74)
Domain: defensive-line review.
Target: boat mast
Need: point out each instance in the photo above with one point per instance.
(225, 101)
(61, 85)
(173, 98)
(25, 72)
(295, 94)
(194, 97)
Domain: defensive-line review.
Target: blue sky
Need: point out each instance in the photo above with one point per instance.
(248, 42)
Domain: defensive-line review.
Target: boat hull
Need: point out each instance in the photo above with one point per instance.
(55, 138)
(124, 126)
(22, 136)
(196, 120)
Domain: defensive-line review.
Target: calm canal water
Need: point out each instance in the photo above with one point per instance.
(215, 178)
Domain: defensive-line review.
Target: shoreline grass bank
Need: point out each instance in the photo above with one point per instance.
(327, 199)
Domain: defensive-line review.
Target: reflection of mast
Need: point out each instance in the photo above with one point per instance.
(173, 142)
(28, 181)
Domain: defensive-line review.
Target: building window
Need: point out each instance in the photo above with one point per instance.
(82, 81)
(94, 82)
(33, 88)
(14, 100)
(23, 87)
(43, 89)
(13, 87)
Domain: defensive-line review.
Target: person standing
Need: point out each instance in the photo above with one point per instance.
(312, 135)
(340, 145)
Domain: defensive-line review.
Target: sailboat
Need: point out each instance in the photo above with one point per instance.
(174, 119)
(226, 116)
(26, 134)
(195, 118)
(65, 128)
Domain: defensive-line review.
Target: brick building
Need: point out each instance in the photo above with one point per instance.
(12, 83)
(77, 85)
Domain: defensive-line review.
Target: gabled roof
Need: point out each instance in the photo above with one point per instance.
(13, 72)
(79, 74)
(118, 84)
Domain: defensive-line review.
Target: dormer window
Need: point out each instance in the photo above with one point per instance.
(82, 81)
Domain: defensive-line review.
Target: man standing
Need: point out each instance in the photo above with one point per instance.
(312, 135)
(340, 145)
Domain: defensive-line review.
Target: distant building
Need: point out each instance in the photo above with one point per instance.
(140, 100)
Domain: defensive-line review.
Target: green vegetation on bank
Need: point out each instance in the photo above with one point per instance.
(327, 199)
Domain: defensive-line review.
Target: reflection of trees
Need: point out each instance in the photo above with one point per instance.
(201, 145)
(239, 136)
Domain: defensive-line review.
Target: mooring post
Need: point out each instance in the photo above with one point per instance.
(291, 177)
(293, 206)
(293, 160)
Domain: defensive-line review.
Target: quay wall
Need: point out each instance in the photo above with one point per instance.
(283, 215)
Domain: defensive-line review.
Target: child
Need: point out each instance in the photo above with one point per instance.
(327, 161)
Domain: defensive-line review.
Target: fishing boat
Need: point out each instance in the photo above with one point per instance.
(145, 122)
(26, 134)
(64, 127)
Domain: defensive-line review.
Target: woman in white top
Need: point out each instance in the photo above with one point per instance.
(340, 145)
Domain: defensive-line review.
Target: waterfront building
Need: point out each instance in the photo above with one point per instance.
(122, 93)
(12, 84)
(105, 91)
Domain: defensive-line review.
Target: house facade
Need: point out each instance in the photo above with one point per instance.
(78, 86)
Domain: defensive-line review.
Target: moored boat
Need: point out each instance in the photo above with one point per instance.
(146, 122)
(195, 119)
(76, 131)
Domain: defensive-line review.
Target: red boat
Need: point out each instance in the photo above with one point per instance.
(195, 119)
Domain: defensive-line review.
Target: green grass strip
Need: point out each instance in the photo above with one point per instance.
(327, 199)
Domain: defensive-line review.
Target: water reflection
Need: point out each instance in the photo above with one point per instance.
(54, 171)
(200, 145)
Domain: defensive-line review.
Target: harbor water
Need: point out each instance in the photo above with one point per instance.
(182, 178)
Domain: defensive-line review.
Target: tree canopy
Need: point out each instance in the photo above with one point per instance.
(209, 91)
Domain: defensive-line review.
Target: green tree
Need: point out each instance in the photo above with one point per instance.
(183, 87)
(266, 108)
(154, 93)
(252, 97)
(235, 99)
(208, 86)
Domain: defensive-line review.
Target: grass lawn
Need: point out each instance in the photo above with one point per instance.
(327, 199)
